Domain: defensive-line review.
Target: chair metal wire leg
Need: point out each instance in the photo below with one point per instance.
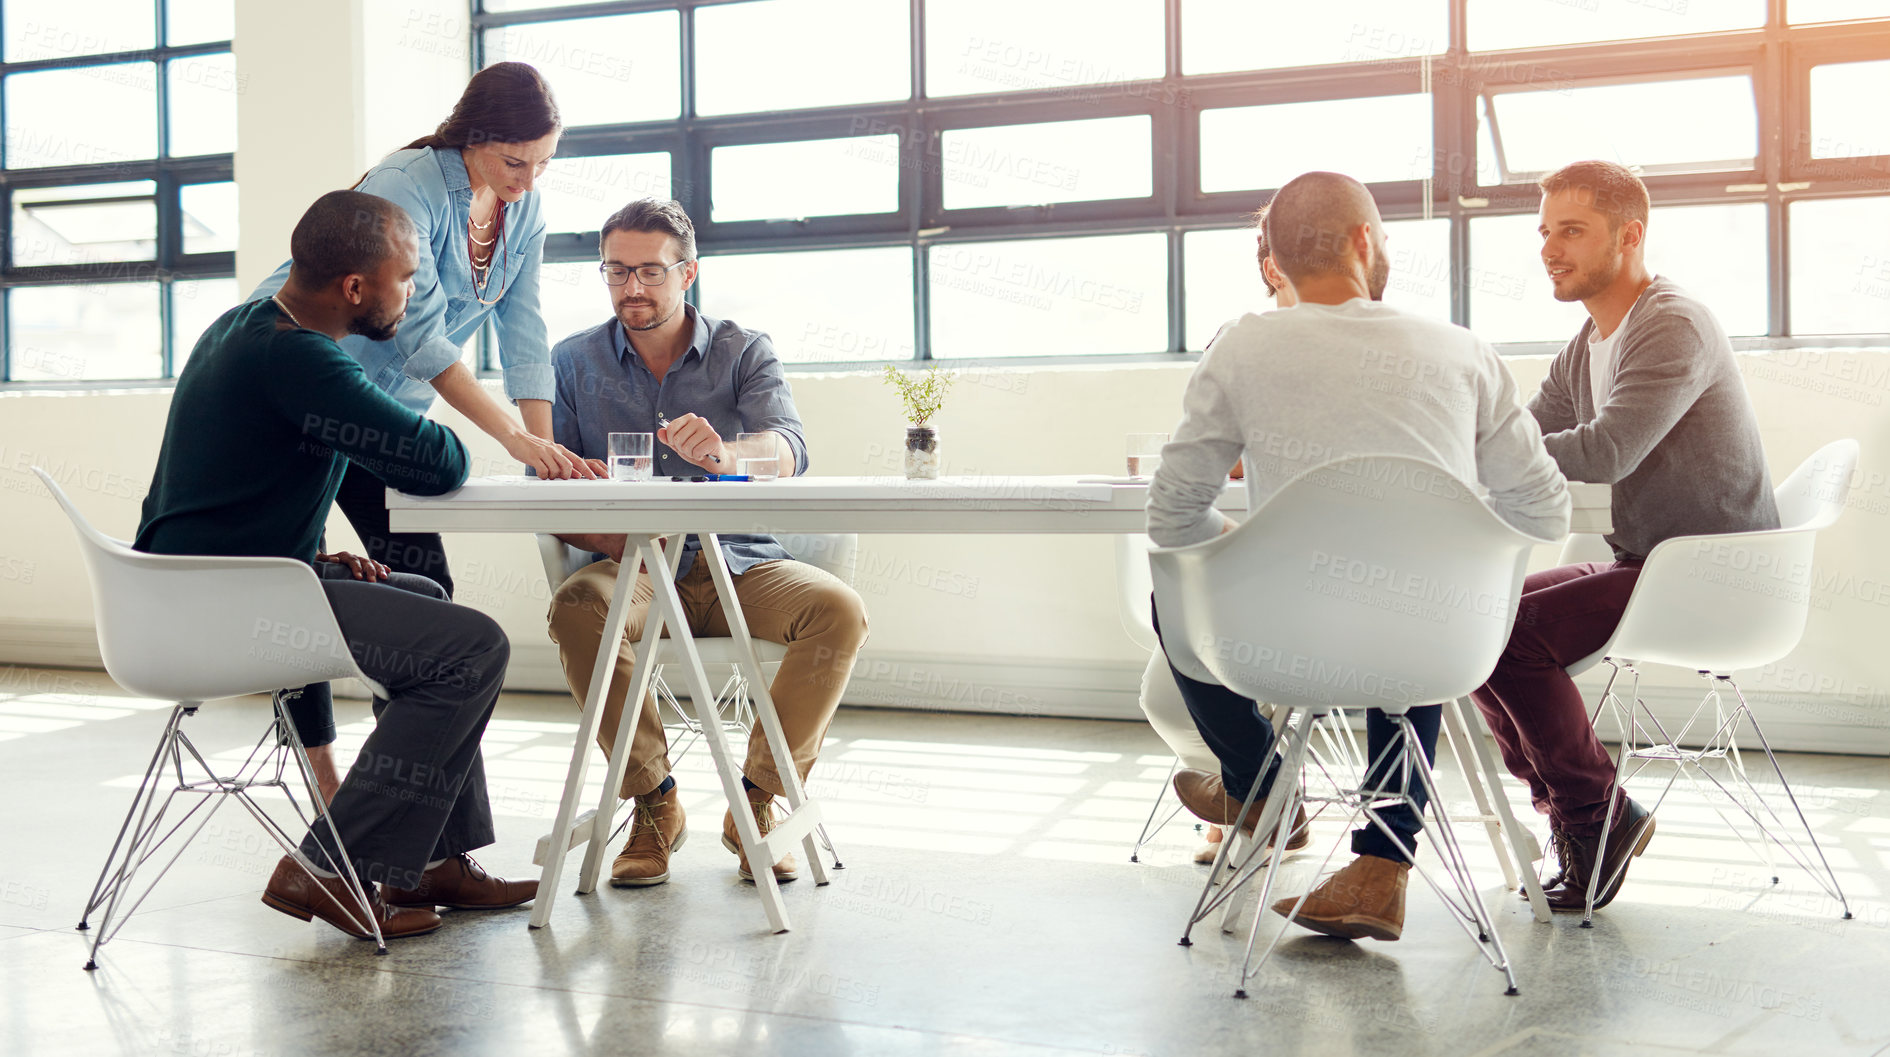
(1456, 863)
(286, 727)
(1204, 905)
(1150, 827)
(264, 767)
(142, 845)
(147, 787)
(1626, 751)
(1208, 902)
(1834, 889)
(1460, 898)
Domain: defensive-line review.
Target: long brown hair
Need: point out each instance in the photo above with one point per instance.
(507, 102)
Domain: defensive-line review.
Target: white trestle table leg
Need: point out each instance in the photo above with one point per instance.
(702, 701)
(559, 839)
(763, 700)
(1522, 844)
(645, 673)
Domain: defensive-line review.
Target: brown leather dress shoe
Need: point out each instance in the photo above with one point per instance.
(785, 870)
(292, 891)
(462, 884)
(1365, 899)
(1582, 855)
(657, 827)
(1202, 793)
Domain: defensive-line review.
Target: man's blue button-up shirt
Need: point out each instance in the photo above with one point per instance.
(729, 375)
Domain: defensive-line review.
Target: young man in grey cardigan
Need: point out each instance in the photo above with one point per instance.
(1646, 398)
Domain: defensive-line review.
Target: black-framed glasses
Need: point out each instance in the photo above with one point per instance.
(648, 274)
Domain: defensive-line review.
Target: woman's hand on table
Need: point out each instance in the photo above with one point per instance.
(549, 459)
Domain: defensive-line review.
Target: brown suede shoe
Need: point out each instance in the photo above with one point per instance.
(657, 827)
(1579, 854)
(462, 884)
(292, 891)
(1365, 899)
(762, 803)
(1202, 793)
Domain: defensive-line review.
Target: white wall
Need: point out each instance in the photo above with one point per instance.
(1024, 624)
(328, 87)
(1007, 624)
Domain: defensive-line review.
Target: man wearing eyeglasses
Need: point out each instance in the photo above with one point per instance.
(659, 359)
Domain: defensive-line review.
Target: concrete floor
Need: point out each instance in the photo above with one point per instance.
(987, 907)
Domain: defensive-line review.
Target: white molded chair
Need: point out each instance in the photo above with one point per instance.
(196, 629)
(1337, 746)
(837, 553)
(1373, 581)
(1715, 605)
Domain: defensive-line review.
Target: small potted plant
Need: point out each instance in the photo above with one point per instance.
(922, 394)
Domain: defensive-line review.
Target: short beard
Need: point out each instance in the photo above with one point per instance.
(648, 326)
(1597, 282)
(1381, 275)
(376, 329)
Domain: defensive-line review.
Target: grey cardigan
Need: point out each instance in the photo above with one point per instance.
(1676, 437)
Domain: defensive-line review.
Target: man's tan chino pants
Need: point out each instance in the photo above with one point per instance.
(820, 620)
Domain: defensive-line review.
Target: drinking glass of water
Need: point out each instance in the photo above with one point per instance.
(1145, 453)
(632, 456)
(757, 456)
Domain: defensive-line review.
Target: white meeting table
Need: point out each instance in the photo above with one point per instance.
(648, 511)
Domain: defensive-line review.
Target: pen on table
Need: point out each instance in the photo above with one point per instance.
(663, 423)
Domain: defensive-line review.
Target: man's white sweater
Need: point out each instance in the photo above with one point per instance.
(1299, 387)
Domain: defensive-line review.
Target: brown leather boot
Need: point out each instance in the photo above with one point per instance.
(1202, 793)
(1366, 898)
(1583, 856)
(292, 891)
(761, 802)
(460, 883)
(657, 828)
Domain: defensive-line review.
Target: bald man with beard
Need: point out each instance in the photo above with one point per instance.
(1296, 388)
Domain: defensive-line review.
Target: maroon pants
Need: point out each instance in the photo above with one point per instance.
(1537, 715)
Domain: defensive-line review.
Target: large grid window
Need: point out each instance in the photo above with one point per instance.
(974, 179)
(120, 212)
(981, 178)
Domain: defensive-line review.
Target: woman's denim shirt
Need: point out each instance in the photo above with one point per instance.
(443, 314)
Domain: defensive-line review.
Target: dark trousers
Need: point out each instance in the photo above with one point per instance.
(363, 498)
(1532, 706)
(1244, 743)
(312, 708)
(413, 556)
(417, 791)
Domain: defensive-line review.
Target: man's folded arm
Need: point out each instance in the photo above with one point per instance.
(1659, 378)
(1554, 405)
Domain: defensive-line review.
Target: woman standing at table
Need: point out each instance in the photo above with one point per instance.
(468, 188)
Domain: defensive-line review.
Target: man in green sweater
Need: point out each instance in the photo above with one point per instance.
(266, 416)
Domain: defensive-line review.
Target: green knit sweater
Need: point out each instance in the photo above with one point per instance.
(261, 424)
